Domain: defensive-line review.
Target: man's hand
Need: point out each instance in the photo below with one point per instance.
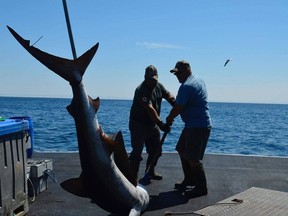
(169, 120)
(165, 127)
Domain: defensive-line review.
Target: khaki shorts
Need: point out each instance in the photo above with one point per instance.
(192, 143)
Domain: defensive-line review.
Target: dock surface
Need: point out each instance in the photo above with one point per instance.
(227, 175)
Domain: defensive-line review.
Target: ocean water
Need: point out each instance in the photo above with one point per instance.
(238, 128)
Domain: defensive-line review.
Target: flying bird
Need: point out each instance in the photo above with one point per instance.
(228, 60)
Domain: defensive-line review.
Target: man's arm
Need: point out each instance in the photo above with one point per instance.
(156, 118)
(152, 113)
(175, 111)
(170, 98)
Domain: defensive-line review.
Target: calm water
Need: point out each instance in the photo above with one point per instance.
(238, 128)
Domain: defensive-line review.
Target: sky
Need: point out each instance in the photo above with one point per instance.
(135, 34)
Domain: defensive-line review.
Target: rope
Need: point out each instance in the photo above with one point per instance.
(33, 189)
(51, 174)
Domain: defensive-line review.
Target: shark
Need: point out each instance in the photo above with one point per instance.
(106, 176)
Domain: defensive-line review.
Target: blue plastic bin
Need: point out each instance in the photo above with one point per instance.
(10, 126)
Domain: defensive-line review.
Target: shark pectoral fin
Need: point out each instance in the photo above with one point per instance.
(121, 159)
(70, 110)
(75, 187)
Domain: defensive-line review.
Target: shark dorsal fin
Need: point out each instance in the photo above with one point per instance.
(95, 103)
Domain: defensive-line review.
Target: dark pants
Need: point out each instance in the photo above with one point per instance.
(143, 135)
(192, 143)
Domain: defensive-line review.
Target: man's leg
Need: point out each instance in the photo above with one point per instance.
(154, 150)
(200, 188)
(137, 144)
(188, 177)
(196, 145)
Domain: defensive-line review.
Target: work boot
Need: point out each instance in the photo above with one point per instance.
(135, 164)
(188, 176)
(153, 175)
(200, 188)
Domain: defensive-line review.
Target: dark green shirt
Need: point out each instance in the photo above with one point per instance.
(144, 95)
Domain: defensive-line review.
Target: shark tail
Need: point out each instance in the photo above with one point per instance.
(70, 70)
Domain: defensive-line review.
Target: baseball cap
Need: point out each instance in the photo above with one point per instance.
(151, 72)
(180, 66)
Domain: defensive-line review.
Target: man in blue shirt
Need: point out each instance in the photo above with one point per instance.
(192, 105)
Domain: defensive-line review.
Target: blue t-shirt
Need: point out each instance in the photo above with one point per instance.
(192, 94)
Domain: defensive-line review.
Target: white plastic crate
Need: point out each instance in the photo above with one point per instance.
(38, 171)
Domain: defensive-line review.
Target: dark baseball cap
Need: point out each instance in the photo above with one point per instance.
(151, 72)
(180, 66)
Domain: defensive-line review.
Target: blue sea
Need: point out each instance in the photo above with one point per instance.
(238, 128)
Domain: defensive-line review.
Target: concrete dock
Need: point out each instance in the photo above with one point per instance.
(227, 175)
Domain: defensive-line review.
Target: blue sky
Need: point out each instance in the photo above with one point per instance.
(135, 34)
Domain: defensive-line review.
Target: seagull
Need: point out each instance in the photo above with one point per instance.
(228, 60)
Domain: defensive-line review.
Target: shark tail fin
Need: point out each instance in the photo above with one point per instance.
(61, 66)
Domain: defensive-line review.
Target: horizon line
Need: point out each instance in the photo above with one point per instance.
(123, 98)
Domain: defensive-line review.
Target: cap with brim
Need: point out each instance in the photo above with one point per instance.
(180, 66)
(151, 73)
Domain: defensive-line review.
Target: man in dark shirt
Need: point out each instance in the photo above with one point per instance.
(145, 121)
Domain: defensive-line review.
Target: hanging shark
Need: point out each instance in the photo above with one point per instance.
(106, 176)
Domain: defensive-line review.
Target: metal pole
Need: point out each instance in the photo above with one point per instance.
(69, 29)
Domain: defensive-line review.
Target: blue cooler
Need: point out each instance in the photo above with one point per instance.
(30, 144)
